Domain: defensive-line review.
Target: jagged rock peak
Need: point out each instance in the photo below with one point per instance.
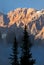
(21, 14)
(33, 18)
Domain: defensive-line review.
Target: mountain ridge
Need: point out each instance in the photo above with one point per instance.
(34, 19)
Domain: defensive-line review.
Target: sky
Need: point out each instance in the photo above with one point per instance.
(8, 5)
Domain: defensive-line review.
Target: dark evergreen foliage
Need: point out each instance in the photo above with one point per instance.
(26, 58)
(0, 35)
(14, 56)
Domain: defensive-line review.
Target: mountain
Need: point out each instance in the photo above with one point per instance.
(3, 20)
(34, 19)
(18, 18)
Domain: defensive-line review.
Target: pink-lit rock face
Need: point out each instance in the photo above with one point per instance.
(33, 18)
(23, 15)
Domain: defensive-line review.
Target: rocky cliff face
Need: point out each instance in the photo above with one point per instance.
(20, 17)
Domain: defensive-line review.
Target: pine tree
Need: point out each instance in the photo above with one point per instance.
(14, 55)
(0, 35)
(26, 58)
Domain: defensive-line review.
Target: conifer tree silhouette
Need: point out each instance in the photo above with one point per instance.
(26, 57)
(13, 56)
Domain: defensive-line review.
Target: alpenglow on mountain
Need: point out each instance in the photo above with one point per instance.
(34, 19)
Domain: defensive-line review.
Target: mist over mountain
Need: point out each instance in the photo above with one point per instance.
(14, 22)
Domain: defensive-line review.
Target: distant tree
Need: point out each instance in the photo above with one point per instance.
(0, 34)
(26, 57)
(10, 36)
(14, 55)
